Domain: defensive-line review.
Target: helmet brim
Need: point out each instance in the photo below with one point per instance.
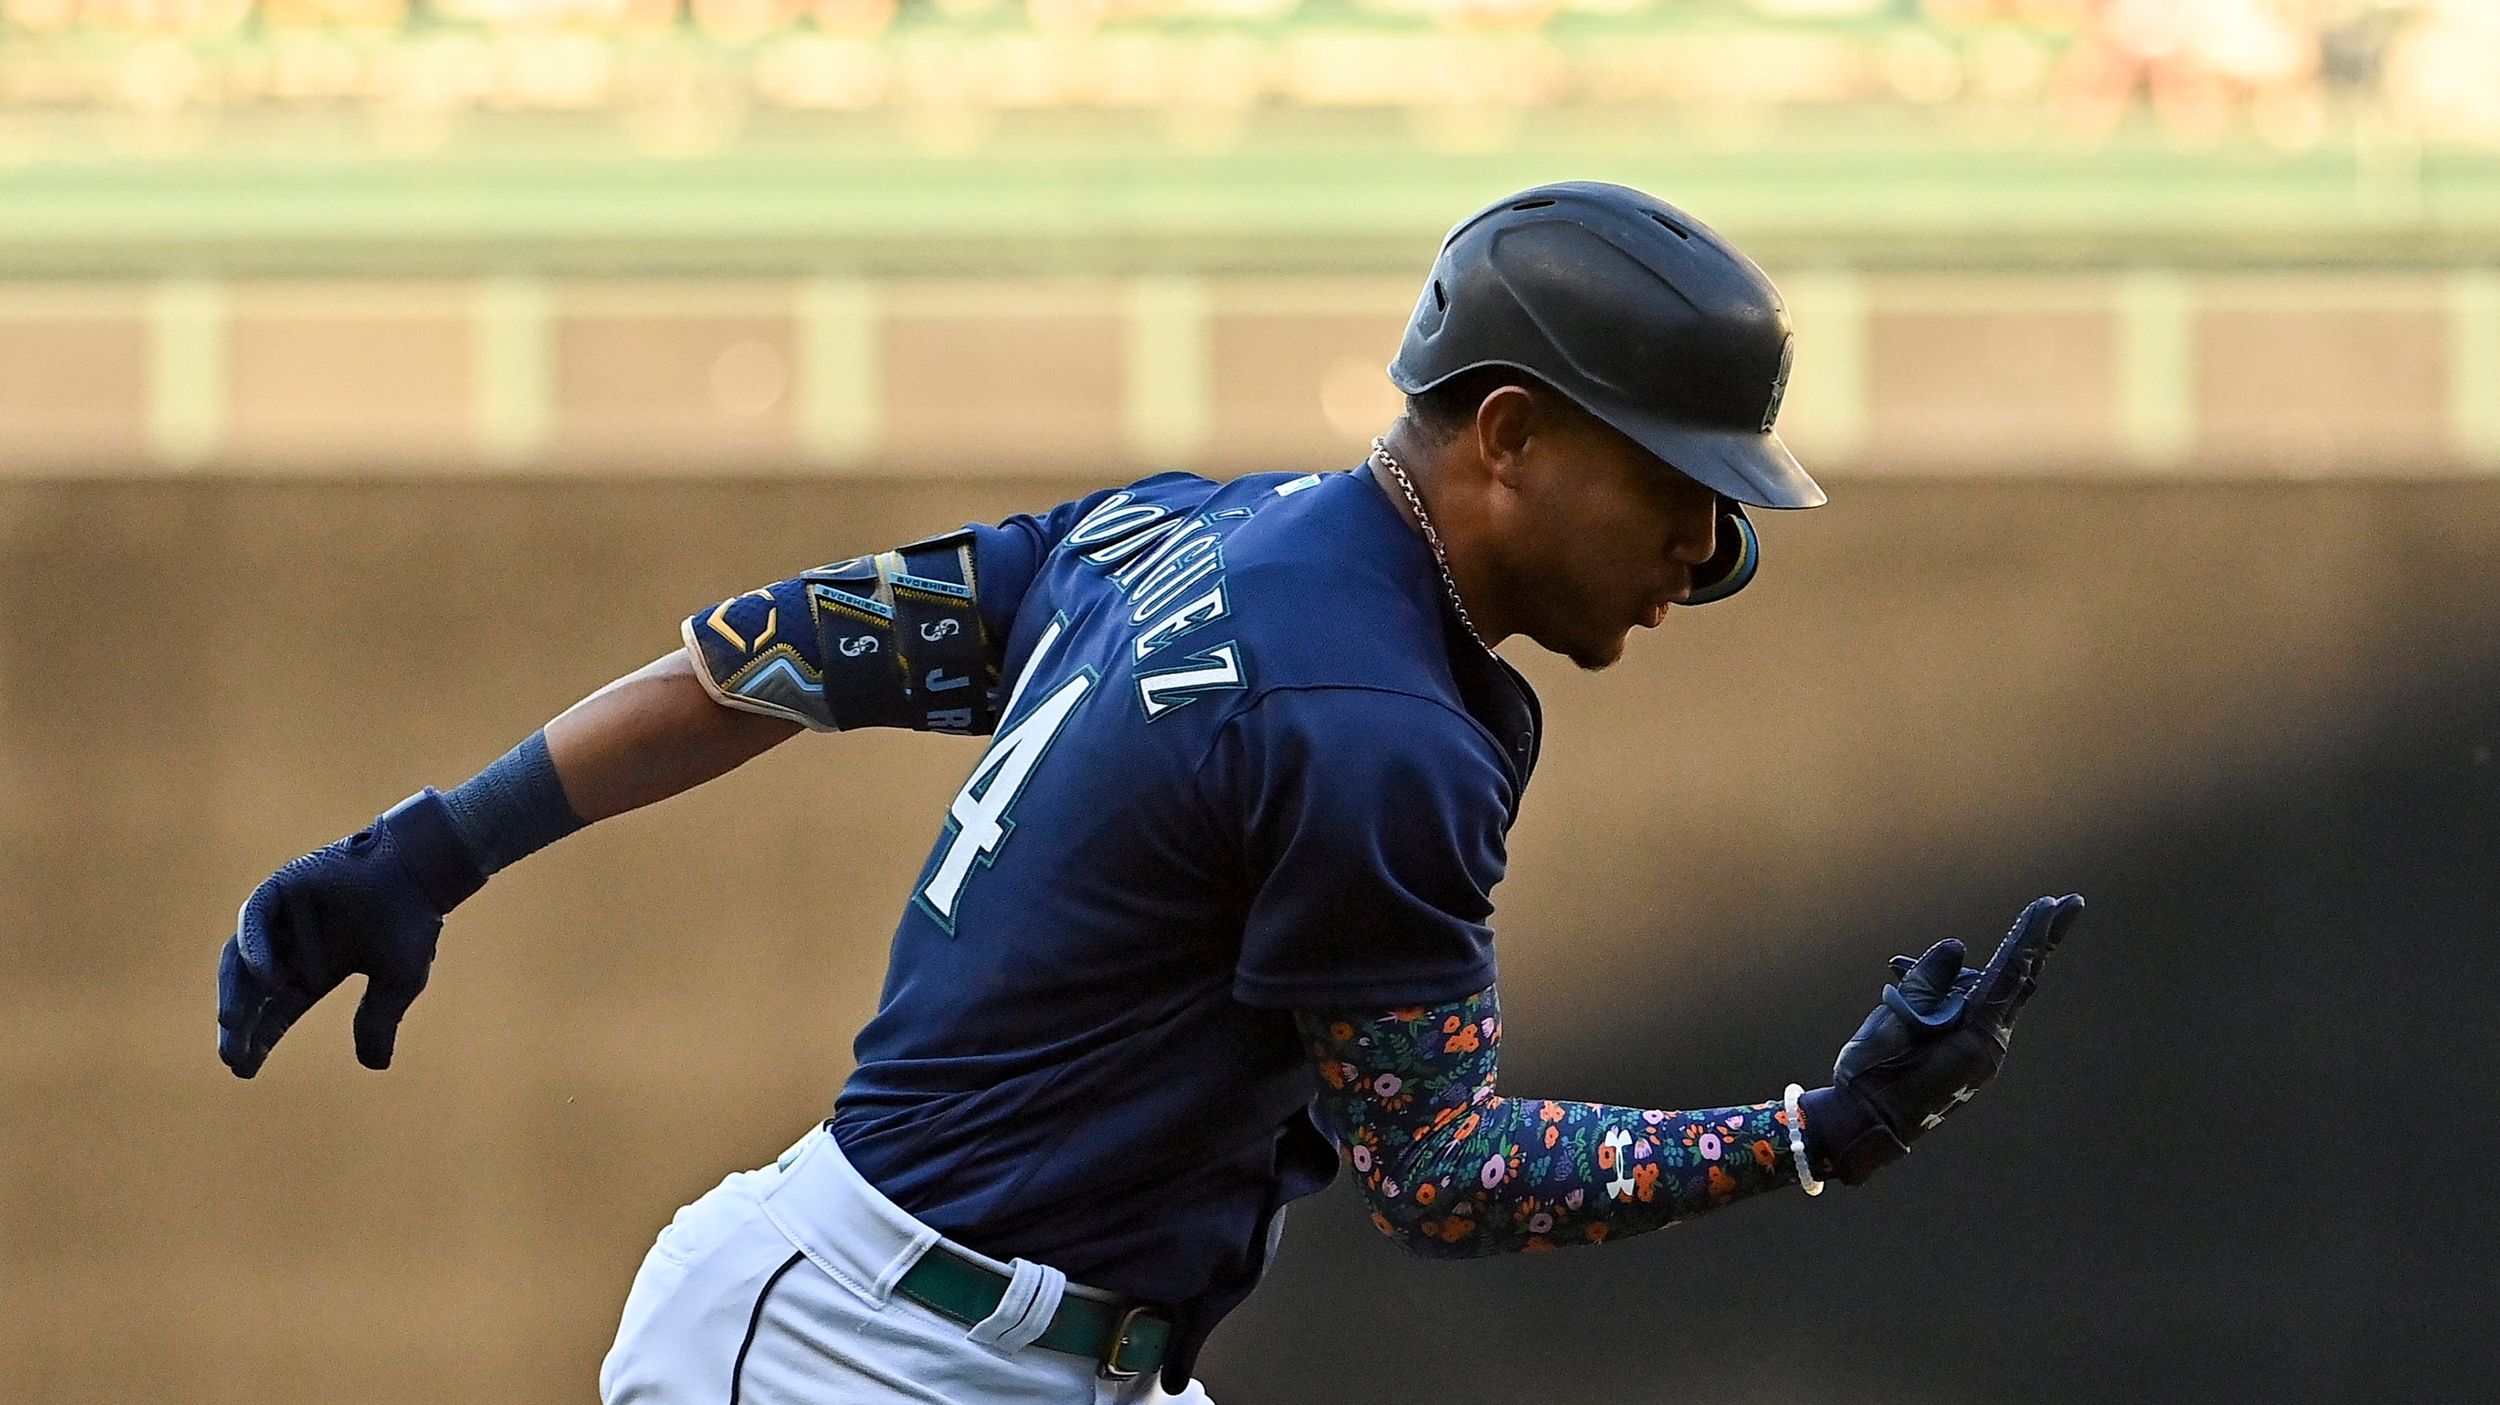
(1754, 468)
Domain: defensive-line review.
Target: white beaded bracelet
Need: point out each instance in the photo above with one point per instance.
(1797, 1142)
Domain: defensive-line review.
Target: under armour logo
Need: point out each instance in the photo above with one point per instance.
(1619, 1142)
(936, 630)
(859, 644)
(1935, 1119)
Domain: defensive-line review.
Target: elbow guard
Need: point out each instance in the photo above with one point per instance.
(891, 640)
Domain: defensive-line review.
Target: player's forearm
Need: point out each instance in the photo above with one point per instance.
(1524, 1174)
(649, 735)
(640, 739)
(1453, 1169)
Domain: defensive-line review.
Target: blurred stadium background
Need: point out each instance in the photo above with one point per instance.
(376, 377)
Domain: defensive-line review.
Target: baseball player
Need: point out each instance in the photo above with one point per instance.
(1208, 920)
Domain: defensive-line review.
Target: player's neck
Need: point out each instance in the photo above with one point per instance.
(1455, 525)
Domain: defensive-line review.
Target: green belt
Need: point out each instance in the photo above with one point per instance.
(1127, 1338)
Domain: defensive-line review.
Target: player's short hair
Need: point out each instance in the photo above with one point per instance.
(1445, 409)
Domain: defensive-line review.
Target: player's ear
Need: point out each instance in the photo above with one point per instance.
(1507, 419)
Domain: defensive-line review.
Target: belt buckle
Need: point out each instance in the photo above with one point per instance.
(1111, 1369)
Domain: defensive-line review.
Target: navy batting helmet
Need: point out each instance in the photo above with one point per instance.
(1635, 311)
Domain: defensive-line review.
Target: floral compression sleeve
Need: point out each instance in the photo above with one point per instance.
(1453, 1169)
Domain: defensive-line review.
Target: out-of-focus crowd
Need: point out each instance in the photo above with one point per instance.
(2285, 72)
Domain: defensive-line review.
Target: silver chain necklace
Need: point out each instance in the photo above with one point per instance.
(1423, 519)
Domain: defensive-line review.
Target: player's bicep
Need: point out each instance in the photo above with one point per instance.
(898, 639)
(1403, 1090)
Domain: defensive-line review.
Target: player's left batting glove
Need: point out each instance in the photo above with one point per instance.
(1937, 1038)
(371, 904)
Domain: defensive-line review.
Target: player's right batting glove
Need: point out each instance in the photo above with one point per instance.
(1937, 1038)
(371, 904)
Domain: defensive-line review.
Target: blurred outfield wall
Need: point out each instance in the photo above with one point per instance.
(2252, 721)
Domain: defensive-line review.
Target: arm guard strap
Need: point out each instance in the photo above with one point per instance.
(890, 640)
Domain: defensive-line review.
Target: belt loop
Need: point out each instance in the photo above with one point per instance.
(1032, 1299)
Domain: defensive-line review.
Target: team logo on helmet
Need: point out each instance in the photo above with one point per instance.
(1779, 382)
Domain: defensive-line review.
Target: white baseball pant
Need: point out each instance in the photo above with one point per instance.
(777, 1288)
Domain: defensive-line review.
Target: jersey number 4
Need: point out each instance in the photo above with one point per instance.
(977, 823)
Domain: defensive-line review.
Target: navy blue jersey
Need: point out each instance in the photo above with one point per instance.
(1244, 760)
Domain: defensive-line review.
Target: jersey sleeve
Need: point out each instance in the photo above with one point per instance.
(905, 638)
(1374, 828)
(1009, 555)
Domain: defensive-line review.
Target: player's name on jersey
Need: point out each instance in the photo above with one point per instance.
(1169, 566)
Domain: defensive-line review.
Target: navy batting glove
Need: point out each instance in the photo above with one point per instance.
(371, 904)
(1937, 1038)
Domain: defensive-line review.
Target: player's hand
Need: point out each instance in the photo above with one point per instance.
(371, 904)
(1938, 1037)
